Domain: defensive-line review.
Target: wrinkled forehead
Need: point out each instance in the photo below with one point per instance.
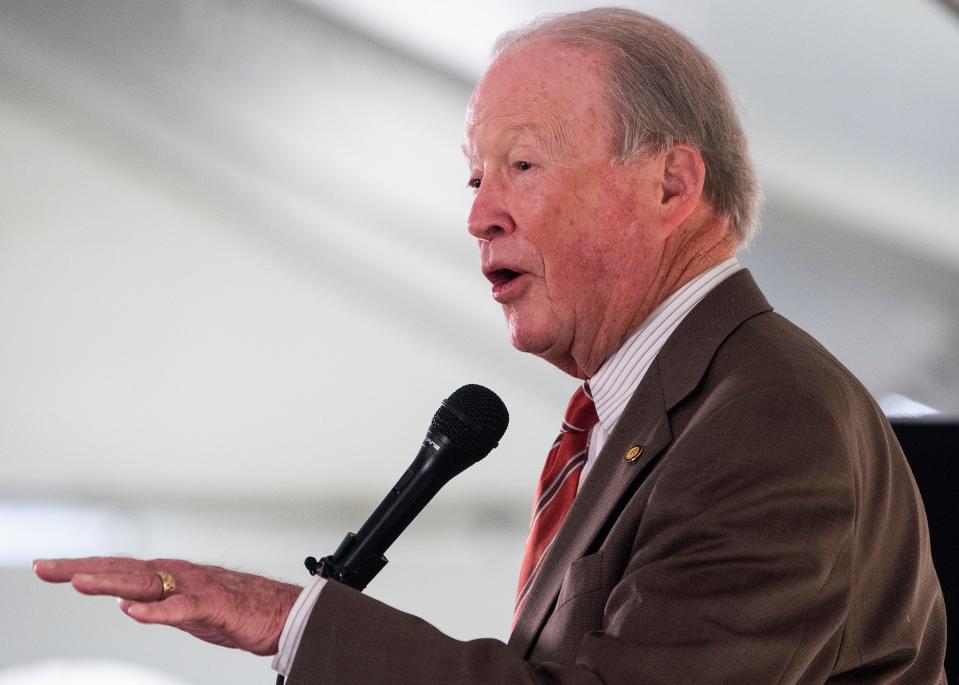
(544, 127)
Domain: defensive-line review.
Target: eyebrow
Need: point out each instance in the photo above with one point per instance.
(556, 134)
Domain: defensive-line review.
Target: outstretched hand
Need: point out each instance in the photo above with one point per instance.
(221, 606)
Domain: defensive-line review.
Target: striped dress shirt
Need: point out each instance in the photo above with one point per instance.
(619, 376)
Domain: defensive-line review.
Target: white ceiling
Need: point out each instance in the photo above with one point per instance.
(233, 260)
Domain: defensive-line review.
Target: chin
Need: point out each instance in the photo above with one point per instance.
(543, 340)
(531, 336)
(526, 340)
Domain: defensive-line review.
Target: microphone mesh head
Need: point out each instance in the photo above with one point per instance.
(474, 418)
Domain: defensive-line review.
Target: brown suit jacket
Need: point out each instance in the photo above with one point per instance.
(770, 531)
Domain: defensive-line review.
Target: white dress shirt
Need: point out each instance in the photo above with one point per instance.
(611, 387)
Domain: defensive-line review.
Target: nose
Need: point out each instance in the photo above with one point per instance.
(490, 215)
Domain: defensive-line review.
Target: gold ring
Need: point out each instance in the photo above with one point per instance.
(169, 585)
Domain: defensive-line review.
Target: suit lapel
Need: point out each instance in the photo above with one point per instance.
(644, 425)
(674, 373)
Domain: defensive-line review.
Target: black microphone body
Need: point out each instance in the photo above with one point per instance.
(464, 429)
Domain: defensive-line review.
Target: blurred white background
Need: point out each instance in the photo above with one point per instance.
(235, 280)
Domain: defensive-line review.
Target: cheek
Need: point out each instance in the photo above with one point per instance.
(588, 234)
(584, 227)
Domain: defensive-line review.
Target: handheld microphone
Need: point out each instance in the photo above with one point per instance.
(466, 427)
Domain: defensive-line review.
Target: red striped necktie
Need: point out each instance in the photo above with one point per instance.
(557, 486)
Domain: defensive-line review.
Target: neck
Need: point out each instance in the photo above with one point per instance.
(686, 254)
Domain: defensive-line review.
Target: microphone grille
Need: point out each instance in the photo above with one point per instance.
(474, 418)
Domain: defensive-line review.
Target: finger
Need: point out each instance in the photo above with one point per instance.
(138, 586)
(173, 611)
(62, 570)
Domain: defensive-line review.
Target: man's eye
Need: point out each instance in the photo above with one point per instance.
(523, 166)
(474, 183)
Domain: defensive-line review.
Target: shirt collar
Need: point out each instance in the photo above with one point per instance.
(619, 376)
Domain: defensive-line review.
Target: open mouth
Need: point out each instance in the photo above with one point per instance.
(501, 277)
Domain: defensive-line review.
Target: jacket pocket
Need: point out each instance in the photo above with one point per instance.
(582, 576)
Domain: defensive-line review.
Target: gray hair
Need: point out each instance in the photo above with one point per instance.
(664, 90)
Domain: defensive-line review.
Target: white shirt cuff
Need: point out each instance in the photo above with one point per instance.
(296, 625)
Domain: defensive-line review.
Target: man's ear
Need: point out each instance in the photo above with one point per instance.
(683, 175)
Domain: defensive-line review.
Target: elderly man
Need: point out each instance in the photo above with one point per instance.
(725, 503)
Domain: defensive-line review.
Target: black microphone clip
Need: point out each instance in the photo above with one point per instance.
(357, 574)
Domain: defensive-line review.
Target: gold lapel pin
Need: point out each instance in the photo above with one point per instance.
(633, 453)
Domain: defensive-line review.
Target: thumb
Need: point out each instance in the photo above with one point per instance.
(172, 611)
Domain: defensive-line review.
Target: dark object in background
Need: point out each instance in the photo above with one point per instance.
(932, 448)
